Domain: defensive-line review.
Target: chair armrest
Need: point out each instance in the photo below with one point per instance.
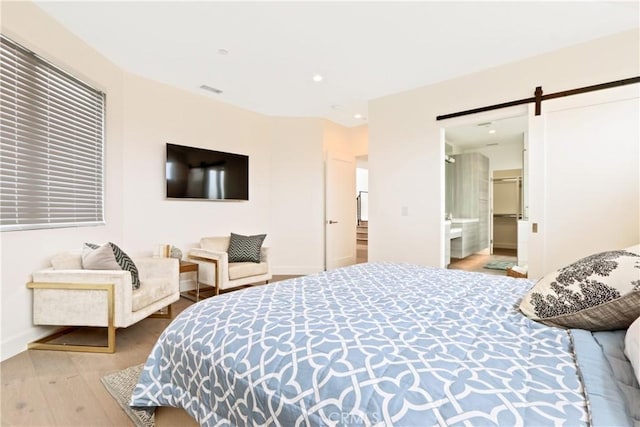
(264, 254)
(150, 268)
(206, 269)
(205, 253)
(81, 276)
(119, 278)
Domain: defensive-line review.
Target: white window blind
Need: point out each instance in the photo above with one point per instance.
(51, 145)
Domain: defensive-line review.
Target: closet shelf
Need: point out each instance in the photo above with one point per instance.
(508, 179)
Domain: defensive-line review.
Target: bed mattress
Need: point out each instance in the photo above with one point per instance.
(370, 344)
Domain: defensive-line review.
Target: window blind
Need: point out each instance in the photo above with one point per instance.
(51, 144)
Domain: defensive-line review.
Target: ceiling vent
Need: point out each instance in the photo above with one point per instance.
(211, 89)
(484, 124)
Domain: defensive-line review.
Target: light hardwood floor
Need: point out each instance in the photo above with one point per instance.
(476, 262)
(362, 252)
(58, 388)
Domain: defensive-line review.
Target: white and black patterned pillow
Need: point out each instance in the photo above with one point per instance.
(106, 257)
(245, 248)
(599, 292)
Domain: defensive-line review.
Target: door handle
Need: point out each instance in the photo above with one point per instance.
(332, 221)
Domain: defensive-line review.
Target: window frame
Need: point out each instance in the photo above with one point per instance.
(51, 185)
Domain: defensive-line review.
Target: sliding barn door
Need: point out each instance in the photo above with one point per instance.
(584, 177)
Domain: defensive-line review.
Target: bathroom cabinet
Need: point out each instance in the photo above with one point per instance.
(469, 241)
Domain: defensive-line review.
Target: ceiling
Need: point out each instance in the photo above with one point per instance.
(504, 131)
(363, 50)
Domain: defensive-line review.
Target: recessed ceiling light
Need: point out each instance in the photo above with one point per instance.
(223, 52)
(357, 116)
(492, 131)
(317, 78)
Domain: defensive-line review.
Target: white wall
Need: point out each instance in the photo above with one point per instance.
(362, 184)
(26, 251)
(156, 114)
(297, 205)
(362, 180)
(503, 156)
(286, 173)
(406, 149)
(359, 140)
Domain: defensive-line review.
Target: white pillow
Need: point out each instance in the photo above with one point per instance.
(67, 261)
(634, 249)
(632, 346)
(100, 258)
(109, 257)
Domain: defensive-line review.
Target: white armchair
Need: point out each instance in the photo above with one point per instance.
(72, 297)
(216, 271)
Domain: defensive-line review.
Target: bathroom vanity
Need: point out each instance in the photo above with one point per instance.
(464, 237)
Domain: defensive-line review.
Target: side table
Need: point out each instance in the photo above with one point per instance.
(187, 267)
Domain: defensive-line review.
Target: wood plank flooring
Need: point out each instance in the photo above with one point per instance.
(58, 388)
(477, 261)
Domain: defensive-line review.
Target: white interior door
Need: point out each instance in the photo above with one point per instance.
(584, 177)
(340, 210)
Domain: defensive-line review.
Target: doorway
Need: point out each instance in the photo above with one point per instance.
(362, 207)
(340, 210)
(485, 175)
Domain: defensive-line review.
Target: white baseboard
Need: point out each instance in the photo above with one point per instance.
(18, 343)
(295, 270)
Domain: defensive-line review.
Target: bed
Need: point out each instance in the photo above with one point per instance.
(386, 344)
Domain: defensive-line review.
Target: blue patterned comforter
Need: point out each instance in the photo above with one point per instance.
(370, 344)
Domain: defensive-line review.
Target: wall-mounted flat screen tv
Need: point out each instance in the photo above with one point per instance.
(198, 173)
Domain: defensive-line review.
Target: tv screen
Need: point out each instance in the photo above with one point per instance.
(198, 173)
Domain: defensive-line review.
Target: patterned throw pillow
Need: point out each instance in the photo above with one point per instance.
(109, 257)
(245, 248)
(597, 293)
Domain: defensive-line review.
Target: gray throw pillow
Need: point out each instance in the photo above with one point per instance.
(245, 248)
(109, 257)
(597, 293)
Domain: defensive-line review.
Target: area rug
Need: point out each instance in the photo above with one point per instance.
(499, 265)
(120, 385)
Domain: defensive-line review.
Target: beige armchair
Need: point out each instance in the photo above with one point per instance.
(216, 271)
(72, 297)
